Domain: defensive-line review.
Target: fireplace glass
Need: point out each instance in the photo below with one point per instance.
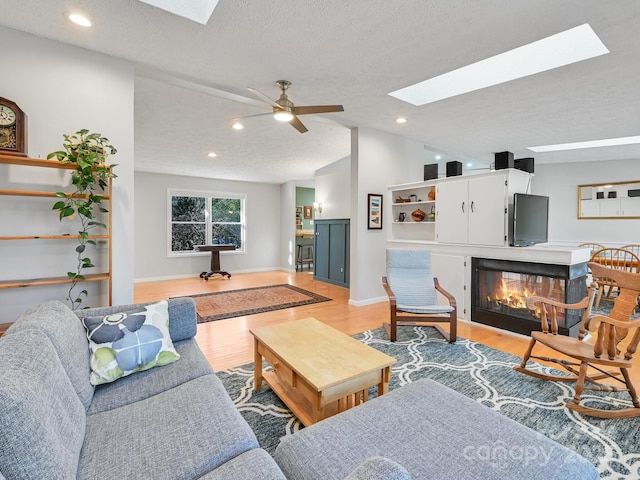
(500, 290)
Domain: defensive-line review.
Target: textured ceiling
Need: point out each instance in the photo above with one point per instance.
(352, 53)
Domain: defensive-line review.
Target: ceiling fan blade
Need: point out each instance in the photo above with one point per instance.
(308, 109)
(254, 115)
(298, 125)
(263, 97)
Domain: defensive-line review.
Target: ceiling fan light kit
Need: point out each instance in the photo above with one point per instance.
(284, 109)
(282, 115)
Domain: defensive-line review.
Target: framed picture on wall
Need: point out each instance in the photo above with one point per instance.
(308, 211)
(374, 212)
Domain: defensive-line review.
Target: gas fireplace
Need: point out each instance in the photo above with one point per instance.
(500, 288)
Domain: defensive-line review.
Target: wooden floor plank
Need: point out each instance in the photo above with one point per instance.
(228, 343)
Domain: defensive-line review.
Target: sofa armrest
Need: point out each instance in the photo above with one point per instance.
(379, 468)
(182, 315)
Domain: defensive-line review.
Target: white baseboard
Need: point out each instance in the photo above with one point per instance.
(368, 301)
(195, 275)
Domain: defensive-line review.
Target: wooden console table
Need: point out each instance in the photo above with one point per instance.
(215, 259)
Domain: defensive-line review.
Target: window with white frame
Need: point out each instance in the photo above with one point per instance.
(205, 218)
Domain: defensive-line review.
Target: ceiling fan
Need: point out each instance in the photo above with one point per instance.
(285, 111)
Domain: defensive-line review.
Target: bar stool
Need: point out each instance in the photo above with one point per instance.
(304, 254)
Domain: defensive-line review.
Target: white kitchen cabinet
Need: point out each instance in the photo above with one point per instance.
(450, 270)
(609, 207)
(630, 207)
(475, 210)
(589, 208)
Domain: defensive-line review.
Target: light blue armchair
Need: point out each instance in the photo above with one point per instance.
(413, 297)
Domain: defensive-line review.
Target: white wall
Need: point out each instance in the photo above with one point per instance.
(333, 190)
(560, 182)
(288, 228)
(378, 159)
(63, 89)
(263, 211)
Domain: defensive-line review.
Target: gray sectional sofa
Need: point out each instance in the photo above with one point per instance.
(178, 422)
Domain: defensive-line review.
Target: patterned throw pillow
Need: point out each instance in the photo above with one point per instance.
(128, 342)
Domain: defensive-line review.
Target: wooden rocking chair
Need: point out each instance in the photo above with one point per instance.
(604, 353)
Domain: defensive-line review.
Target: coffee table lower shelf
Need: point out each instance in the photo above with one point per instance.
(310, 407)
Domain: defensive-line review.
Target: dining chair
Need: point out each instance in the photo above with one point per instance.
(617, 259)
(588, 362)
(633, 248)
(412, 291)
(593, 246)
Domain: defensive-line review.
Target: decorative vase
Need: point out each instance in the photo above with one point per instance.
(401, 216)
(432, 194)
(418, 215)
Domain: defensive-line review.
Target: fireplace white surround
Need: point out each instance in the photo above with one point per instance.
(452, 263)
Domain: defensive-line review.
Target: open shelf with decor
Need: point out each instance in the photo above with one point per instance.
(413, 211)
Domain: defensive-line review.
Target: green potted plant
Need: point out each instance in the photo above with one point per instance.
(90, 176)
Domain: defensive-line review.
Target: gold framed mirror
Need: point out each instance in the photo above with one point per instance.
(614, 200)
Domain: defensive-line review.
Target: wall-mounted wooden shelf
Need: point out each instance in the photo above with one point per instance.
(37, 162)
(51, 237)
(34, 282)
(38, 193)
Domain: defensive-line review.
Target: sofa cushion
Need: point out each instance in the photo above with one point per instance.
(42, 421)
(433, 432)
(182, 313)
(379, 468)
(181, 433)
(69, 338)
(142, 385)
(128, 342)
(254, 464)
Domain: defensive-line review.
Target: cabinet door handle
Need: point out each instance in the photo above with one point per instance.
(472, 207)
(462, 207)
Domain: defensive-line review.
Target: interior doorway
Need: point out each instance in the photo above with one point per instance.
(304, 218)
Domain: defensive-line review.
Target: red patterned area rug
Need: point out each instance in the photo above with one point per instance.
(248, 301)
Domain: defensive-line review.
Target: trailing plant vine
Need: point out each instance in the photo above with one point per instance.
(90, 177)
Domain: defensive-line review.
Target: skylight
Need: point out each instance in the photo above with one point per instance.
(195, 10)
(608, 142)
(571, 46)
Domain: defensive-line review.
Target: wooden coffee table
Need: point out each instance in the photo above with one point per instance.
(318, 371)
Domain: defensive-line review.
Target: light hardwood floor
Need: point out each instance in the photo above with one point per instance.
(228, 343)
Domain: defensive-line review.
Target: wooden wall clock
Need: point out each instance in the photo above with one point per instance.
(13, 129)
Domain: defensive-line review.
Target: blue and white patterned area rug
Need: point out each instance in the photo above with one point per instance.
(479, 372)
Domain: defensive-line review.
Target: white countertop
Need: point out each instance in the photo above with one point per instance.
(541, 253)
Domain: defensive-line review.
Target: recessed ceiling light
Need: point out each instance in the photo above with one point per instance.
(608, 142)
(401, 120)
(571, 46)
(212, 154)
(469, 164)
(237, 126)
(78, 19)
(438, 157)
(196, 10)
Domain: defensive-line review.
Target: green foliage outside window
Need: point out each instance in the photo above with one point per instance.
(201, 220)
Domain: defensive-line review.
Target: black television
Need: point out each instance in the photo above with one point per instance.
(530, 219)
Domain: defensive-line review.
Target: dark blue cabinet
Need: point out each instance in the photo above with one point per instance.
(331, 250)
